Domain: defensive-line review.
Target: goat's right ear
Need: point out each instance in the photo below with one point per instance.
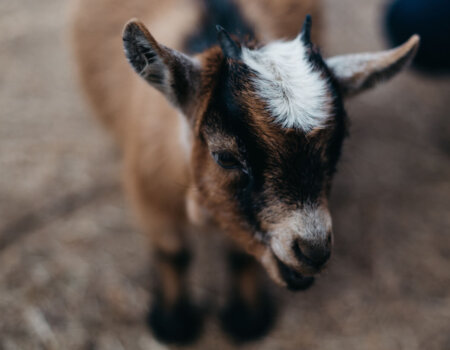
(171, 72)
(358, 72)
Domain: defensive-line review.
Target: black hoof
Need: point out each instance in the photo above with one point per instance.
(246, 323)
(181, 324)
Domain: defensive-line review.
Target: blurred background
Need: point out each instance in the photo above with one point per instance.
(75, 273)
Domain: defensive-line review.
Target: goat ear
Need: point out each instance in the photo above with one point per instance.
(359, 72)
(171, 72)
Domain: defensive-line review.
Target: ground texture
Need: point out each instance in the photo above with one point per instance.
(74, 272)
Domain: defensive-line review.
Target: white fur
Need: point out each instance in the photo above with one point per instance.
(311, 225)
(185, 135)
(295, 93)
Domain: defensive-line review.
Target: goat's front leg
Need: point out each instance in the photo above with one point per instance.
(249, 313)
(173, 318)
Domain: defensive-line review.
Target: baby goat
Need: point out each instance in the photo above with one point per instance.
(247, 143)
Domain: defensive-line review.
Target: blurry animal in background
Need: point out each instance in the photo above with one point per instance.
(405, 17)
(243, 133)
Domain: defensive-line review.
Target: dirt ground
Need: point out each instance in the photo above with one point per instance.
(74, 272)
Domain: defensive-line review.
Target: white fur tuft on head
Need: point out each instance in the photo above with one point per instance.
(296, 94)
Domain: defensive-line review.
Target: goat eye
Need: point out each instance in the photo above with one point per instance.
(226, 160)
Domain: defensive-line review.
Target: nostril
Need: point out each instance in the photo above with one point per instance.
(329, 239)
(299, 254)
(319, 257)
(313, 256)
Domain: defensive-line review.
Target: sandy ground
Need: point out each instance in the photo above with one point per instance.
(74, 273)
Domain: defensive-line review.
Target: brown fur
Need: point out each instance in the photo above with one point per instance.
(171, 174)
(146, 126)
(149, 131)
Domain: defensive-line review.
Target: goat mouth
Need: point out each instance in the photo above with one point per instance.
(295, 281)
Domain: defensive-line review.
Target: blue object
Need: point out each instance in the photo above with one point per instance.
(428, 18)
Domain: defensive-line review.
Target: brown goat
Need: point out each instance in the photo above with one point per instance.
(242, 136)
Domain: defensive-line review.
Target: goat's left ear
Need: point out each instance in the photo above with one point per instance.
(174, 74)
(358, 72)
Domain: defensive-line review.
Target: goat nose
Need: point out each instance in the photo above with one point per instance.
(313, 254)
